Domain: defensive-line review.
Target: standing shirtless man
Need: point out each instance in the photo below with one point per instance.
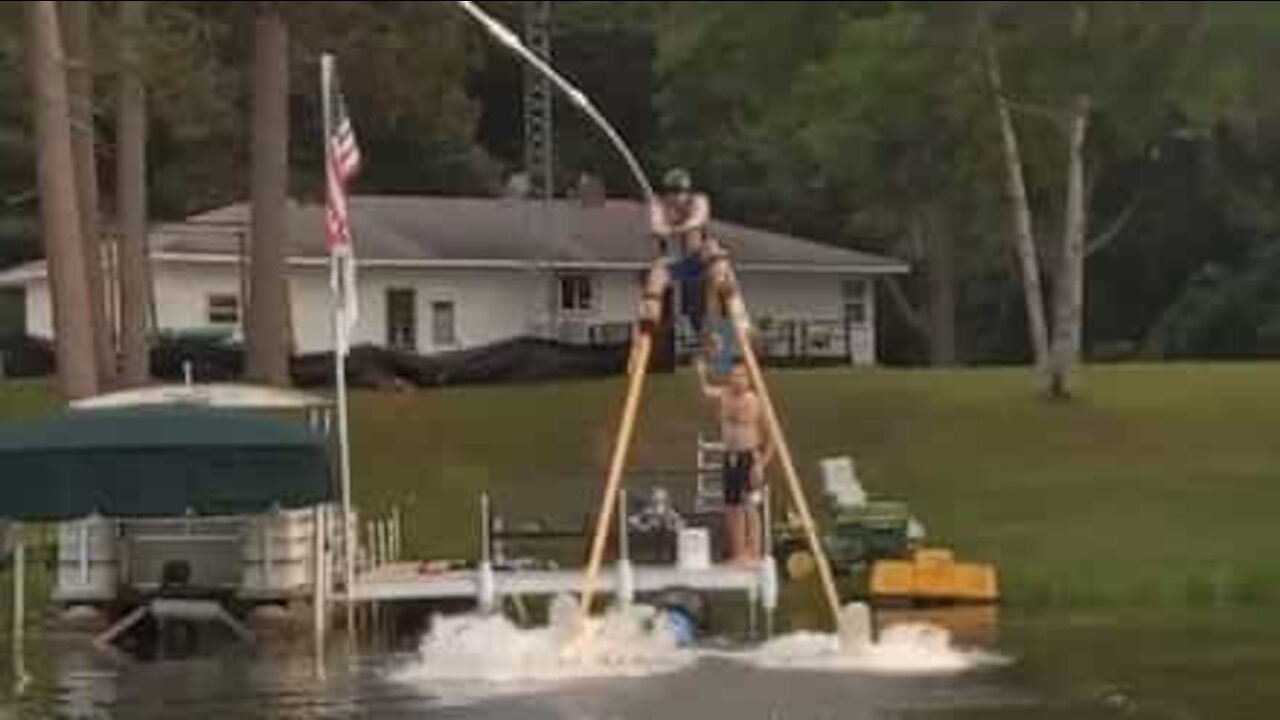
(747, 452)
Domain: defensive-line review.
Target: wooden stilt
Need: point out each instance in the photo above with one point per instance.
(638, 369)
(741, 328)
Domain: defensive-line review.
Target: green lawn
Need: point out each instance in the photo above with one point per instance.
(1158, 486)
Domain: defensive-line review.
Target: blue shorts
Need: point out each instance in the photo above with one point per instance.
(685, 268)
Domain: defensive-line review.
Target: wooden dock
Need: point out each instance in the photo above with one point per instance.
(400, 581)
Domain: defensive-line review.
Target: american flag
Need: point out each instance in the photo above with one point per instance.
(342, 162)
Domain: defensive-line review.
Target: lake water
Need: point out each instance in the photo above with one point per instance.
(1080, 665)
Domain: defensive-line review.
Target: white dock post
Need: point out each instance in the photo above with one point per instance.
(768, 565)
(384, 536)
(626, 574)
(379, 559)
(768, 592)
(82, 543)
(396, 539)
(19, 607)
(268, 559)
(318, 603)
(486, 589)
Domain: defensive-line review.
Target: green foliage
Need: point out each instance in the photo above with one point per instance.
(1225, 312)
(867, 124)
(16, 170)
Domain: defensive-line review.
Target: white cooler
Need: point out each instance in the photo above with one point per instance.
(693, 549)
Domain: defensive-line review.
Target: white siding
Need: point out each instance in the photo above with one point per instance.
(792, 296)
(181, 297)
(182, 294)
(39, 311)
(614, 300)
(489, 305)
(619, 296)
(313, 311)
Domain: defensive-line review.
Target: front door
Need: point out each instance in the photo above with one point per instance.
(859, 321)
(402, 319)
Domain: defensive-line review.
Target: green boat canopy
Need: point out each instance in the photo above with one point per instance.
(158, 461)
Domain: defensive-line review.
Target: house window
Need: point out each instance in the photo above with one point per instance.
(402, 319)
(444, 329)
(855, 295)
(577, 294)
(222, 309)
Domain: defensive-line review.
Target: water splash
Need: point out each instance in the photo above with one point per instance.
(907, 649)
(470, 657)
(628, 642)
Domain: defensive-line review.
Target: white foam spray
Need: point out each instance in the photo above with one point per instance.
(906, 649)
(469, 657)
(625, 642)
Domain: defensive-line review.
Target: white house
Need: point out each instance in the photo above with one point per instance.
(443, 273)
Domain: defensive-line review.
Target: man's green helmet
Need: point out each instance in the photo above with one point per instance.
(677, 179)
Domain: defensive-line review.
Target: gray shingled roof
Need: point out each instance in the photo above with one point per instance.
(493, 230)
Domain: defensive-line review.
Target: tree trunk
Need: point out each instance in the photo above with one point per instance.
(60, 218)
(942, 298)
(934, 321)
(268, 360)
(131, 189)
(1024, 236)
(77, 19)
(1068, 303)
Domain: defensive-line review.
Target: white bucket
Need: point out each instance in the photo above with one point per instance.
(693, 549)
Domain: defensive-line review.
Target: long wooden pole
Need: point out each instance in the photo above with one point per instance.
(622, 445)
(741, 328)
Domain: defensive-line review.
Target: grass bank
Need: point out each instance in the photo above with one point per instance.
(1160, 485)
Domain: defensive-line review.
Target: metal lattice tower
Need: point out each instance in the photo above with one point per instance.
(538, 128)
(538, 158)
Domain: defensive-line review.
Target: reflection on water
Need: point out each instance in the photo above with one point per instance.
(1161, 665)
(970, 626)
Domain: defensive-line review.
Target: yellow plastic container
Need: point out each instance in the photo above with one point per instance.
(892, 579)
(933, 575)
(976, 582)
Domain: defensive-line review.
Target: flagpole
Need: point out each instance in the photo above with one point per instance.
(340, 343)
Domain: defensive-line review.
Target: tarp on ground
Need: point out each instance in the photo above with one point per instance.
(142, 462)
(516, 360)
(521, 360)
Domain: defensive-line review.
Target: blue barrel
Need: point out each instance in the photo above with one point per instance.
(682, 626)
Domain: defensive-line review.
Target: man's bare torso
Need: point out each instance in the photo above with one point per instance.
(740, 421)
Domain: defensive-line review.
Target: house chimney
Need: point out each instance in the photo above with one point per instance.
(591, 190)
